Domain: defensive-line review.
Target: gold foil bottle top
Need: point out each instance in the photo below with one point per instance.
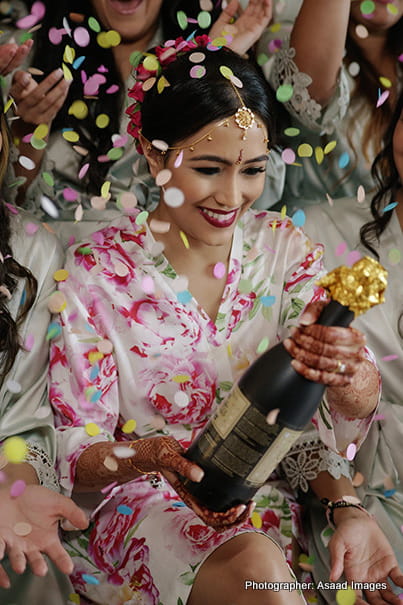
(359, 287)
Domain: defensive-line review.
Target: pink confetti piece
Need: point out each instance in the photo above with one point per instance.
(382, 98)
(120, 140)
(81, 36)
(379, 417)
(112, 89)
(219, 270)
(69, 194)
(178, 160)
(390, 357)
(83, 171)
(56, 35)
(197, 71)
(91, 86)
(147, 285)
(31, 228)
(288, 156)
(37, 13)
(353, 257)
(341, 248)
(29, 342)
(17, 488)
(351, 451)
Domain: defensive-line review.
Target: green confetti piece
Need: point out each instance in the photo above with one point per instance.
(84, 250)
(262, 59)
(24, 37)
(394, 256)
(263, 345)
(115, 153)
(54, 330)
(135, 58)
(367, 7)
(38, 143)
(141, 217)
(182, 19)
(94, 25)
(204, 19)
(284, 93)
(48, 178)
(292, 132)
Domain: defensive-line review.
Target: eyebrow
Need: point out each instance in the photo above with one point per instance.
(216, 158)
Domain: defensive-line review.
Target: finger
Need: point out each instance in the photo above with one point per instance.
(50, 81)
(337, 551)
(186, 468)
(322, 362)
(21, 52)
(334, 335)
(380, 597)
(328, 378)
(67, 509)
(4, 579)
(17, 559)
(22, 85)
(312, 311)
(60, 557)
(52, 100)
(312, 339)
(37, 563)
(396, 576)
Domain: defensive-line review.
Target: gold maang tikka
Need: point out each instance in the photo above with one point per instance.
(244, 119)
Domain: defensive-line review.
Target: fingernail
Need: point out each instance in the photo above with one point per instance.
(58, 71)
(306, 319)
(241, 509)
(196, 474)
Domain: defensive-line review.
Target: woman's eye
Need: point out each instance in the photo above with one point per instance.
(254, 170)
(206, 169)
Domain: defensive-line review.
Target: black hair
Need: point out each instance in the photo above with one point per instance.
(188, 104)
(10, 271)
(48, 56)
(386, 176)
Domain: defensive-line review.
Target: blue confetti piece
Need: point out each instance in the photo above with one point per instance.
(94, 372)
(179, 504)
(124, 510)
(298, 218)
(54, 330)
(96, 396)
(388, 493)
(389, 207)
(184, 297)
(23, 297)
(78, 62)
(89, 579)
(267, 301)
(344, 160)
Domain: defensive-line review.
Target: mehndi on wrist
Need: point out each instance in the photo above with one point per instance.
(344, 502)
(132, 445)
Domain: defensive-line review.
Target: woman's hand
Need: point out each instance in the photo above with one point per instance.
(164, 454)
(328, 354)
(12, 55)
(360, 549)
(248, 26)
(39, 510)
(39, 103)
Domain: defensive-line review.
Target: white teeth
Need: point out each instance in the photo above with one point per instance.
(223, 218)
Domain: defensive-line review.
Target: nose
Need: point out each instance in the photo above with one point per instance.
(229, 195)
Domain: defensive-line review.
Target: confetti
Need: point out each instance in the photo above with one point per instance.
(358, 479)
(111, 464)
(389, 207)
(351, 451)
(141, 218)
(13, 386)
(54, 330)
(181, 378)
(37, 13)
(394, 256)
(163, 177)
(346, 596)
(147, 285)
(17, 488)
(15, 449)
(57, 302)
(197, 71)
(292, 132)
(298, 218)
(329, 147)
(390, 357)
(204, 19)
(319, 155)
(92, 429)
(267, 301)
(284, 93)
(26, 162)
(263, 345)
(123, 452)
(181, 399)
(361, 31)
(382, 98)
(360, 194)
(184, 297)
(22, 529)
(129, 426)
(367, 7)
(124, 510)
(79, 110)
(89, 579)
(29, 342)
(102, 120)
(256, 520)
(341, 248)
(344, 160)
(271, 417)
(219, 270)
(182, 19)
(352, 257)
(81, 36)
(305, 150)
(288, 156)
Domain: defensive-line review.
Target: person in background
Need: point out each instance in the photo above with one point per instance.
(86, 169)
(338, 73)
(349, 229)
(162, 313)
(30, 504)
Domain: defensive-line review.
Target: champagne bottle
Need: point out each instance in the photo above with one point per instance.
(239, 449)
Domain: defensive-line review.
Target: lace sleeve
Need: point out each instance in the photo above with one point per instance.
(305, 109)
(307, 459)
(40, 461)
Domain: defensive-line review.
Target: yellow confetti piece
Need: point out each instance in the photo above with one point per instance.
(162, 83)
(113, 38)
(229, 350)
(181, 378)
(151, 63)
(283, 211)
(346, 596)
(8, 105)
(79, 110)
(329, 147)
(184, 239)
(111, 464)
(256, 520)
(102, 120)
(105, 189)
(68, 76)
(41, 131)
(74, 598)
(71, 136)
(274, 225)
(57, 302)
(69, 54)
(385, 82)
(92, 429)
(60, 275)
(129, 426)
(226, 72)
(22, 529)
(392, 8)
(103, 40)
(15, 450)
(95, 356)
(305, 150)
(319, 155)
(275, 27)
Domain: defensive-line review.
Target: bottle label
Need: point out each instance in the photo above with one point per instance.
(273, 456)
(229, 412)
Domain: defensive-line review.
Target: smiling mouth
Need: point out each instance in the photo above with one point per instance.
(219, 218)
(125, 7)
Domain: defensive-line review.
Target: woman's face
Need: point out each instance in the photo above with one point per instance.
(132, 19)
(382, 18)
(398, 146)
